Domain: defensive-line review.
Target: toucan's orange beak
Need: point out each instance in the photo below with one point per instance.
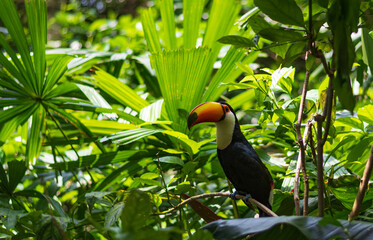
(205, 112)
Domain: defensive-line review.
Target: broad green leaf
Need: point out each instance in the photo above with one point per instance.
(16, 171)
(258, 23)
(185, 140)
(281, 35)
(350, 122)
(283, 11)
(284, 78)
(136, 211)
(365, 114)
(288, 227)
(367, 48)
(183, 187)
(119, 91)
(152, 112)
(171, 160)
(113, 214)
(237, 41)
(192, 13)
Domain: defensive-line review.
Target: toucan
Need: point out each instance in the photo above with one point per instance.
(240, 162)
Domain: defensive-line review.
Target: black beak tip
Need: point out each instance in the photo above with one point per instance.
(191, 119)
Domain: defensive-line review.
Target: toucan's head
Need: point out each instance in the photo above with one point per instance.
(209, 112)
(222, 115)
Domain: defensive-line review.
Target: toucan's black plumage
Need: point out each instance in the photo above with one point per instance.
(240, 162)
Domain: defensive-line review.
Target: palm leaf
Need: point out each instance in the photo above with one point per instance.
(119, 91)
(168, 20)
(56, 71)
(37, 125)
(192, 12)
(182, 84)
(37, 22)
(150, 32)
(9, 16)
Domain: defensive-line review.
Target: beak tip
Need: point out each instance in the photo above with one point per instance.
(192, 119)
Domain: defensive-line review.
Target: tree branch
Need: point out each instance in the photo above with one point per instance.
(362, 188)
(301, 144)
(220, 194)
(319, 165)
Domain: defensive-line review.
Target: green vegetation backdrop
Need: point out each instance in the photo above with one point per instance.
(95, 95)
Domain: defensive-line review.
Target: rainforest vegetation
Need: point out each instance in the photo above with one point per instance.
(95, 97)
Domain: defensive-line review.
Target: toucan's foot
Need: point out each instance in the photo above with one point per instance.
(246, 198)
(233, 195)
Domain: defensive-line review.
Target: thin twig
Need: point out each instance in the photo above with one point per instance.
(220, 194)
(362, 188)
(163, 181)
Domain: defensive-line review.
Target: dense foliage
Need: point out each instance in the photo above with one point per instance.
(93, 135)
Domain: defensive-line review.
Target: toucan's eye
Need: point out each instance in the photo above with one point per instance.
(226, 108)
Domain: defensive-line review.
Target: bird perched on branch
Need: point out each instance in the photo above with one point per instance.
(240, 162)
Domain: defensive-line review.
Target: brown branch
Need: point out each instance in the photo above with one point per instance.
(301, 144)
(362, 188)
(219, 194)
(319, 165)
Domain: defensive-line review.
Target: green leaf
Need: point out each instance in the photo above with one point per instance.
(350, 122)
(237, 41)
(9, 16)
(37, 21)
(288, 227)
(283, 11)
(367, 48)
(119, 91)
(16, 171)
(152, 112)
(113, 214)
(34, 138)
(136, 212)
(98, 160)
(168, 20)
(171, 160)
(132, 135)
(150, 32)
(192, 13)
(281, 35)
(365, 114)
(55, 72)
(181, 75)
(183, 187)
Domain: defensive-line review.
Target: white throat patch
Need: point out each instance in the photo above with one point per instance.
(224, 130)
